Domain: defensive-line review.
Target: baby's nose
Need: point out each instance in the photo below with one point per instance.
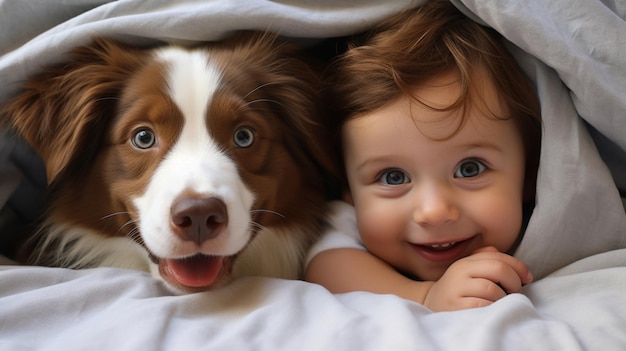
(435, 205)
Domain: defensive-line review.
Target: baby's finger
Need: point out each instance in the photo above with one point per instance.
(518, 266)
(520, 269)
(484, 289)
(499, 272)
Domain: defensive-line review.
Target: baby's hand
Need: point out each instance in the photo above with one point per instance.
(477, 280)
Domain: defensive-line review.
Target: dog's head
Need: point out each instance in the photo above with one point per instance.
(188, 151)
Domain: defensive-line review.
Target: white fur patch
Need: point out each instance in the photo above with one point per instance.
(77, 247)
(195, 166)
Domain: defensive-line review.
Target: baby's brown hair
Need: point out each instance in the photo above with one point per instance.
(408, 49)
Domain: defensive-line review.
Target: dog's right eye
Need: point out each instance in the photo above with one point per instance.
(243, 137)
(144, 139)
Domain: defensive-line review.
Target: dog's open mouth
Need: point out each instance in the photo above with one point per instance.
(194, 273)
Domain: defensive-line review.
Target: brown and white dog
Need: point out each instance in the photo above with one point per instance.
(196, 164)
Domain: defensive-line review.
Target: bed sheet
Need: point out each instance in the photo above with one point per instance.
(575, 243)
(115, 309)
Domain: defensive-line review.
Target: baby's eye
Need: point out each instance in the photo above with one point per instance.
(470, 168)
(394, 177)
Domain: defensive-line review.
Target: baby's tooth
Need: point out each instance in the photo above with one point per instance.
(439, 246)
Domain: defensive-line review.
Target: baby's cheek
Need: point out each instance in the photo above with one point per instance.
(377, 228)
(504, 226)
(369, 230)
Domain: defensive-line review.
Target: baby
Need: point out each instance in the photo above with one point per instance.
(440, 133)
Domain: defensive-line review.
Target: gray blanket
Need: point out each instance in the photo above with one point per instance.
(575, 243)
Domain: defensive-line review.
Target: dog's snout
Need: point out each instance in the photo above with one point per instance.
(198, 219)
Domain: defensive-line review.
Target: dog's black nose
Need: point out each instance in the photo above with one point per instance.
(198, 219)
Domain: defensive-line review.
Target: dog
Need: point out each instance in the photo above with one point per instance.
(198, 164)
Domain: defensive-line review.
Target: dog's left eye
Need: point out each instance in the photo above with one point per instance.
(144, 139)
(243, 137)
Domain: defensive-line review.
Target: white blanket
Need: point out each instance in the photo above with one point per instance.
(112, 309)
(575, 243)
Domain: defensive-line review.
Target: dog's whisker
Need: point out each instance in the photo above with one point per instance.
(134, 234)
(114, 214)
(269, 211)
(259, 100)
(257, 88)
(256, 225)
(108, 98)
(129, 222)
(259, 227)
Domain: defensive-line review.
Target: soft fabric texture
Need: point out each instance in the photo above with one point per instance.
(575, 243)
(113, 309)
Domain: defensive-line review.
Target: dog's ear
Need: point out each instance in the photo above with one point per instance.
(62, 111)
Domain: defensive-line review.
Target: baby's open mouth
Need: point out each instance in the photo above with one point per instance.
(444, 252)
(444, 246)
(441, 247)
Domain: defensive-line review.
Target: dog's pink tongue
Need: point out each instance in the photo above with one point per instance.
(196, 271)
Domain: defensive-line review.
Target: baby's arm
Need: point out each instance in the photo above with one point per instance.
(346, 269)
(340, 262)
(474, 281)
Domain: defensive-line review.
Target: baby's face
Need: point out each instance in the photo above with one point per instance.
(423, 202)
